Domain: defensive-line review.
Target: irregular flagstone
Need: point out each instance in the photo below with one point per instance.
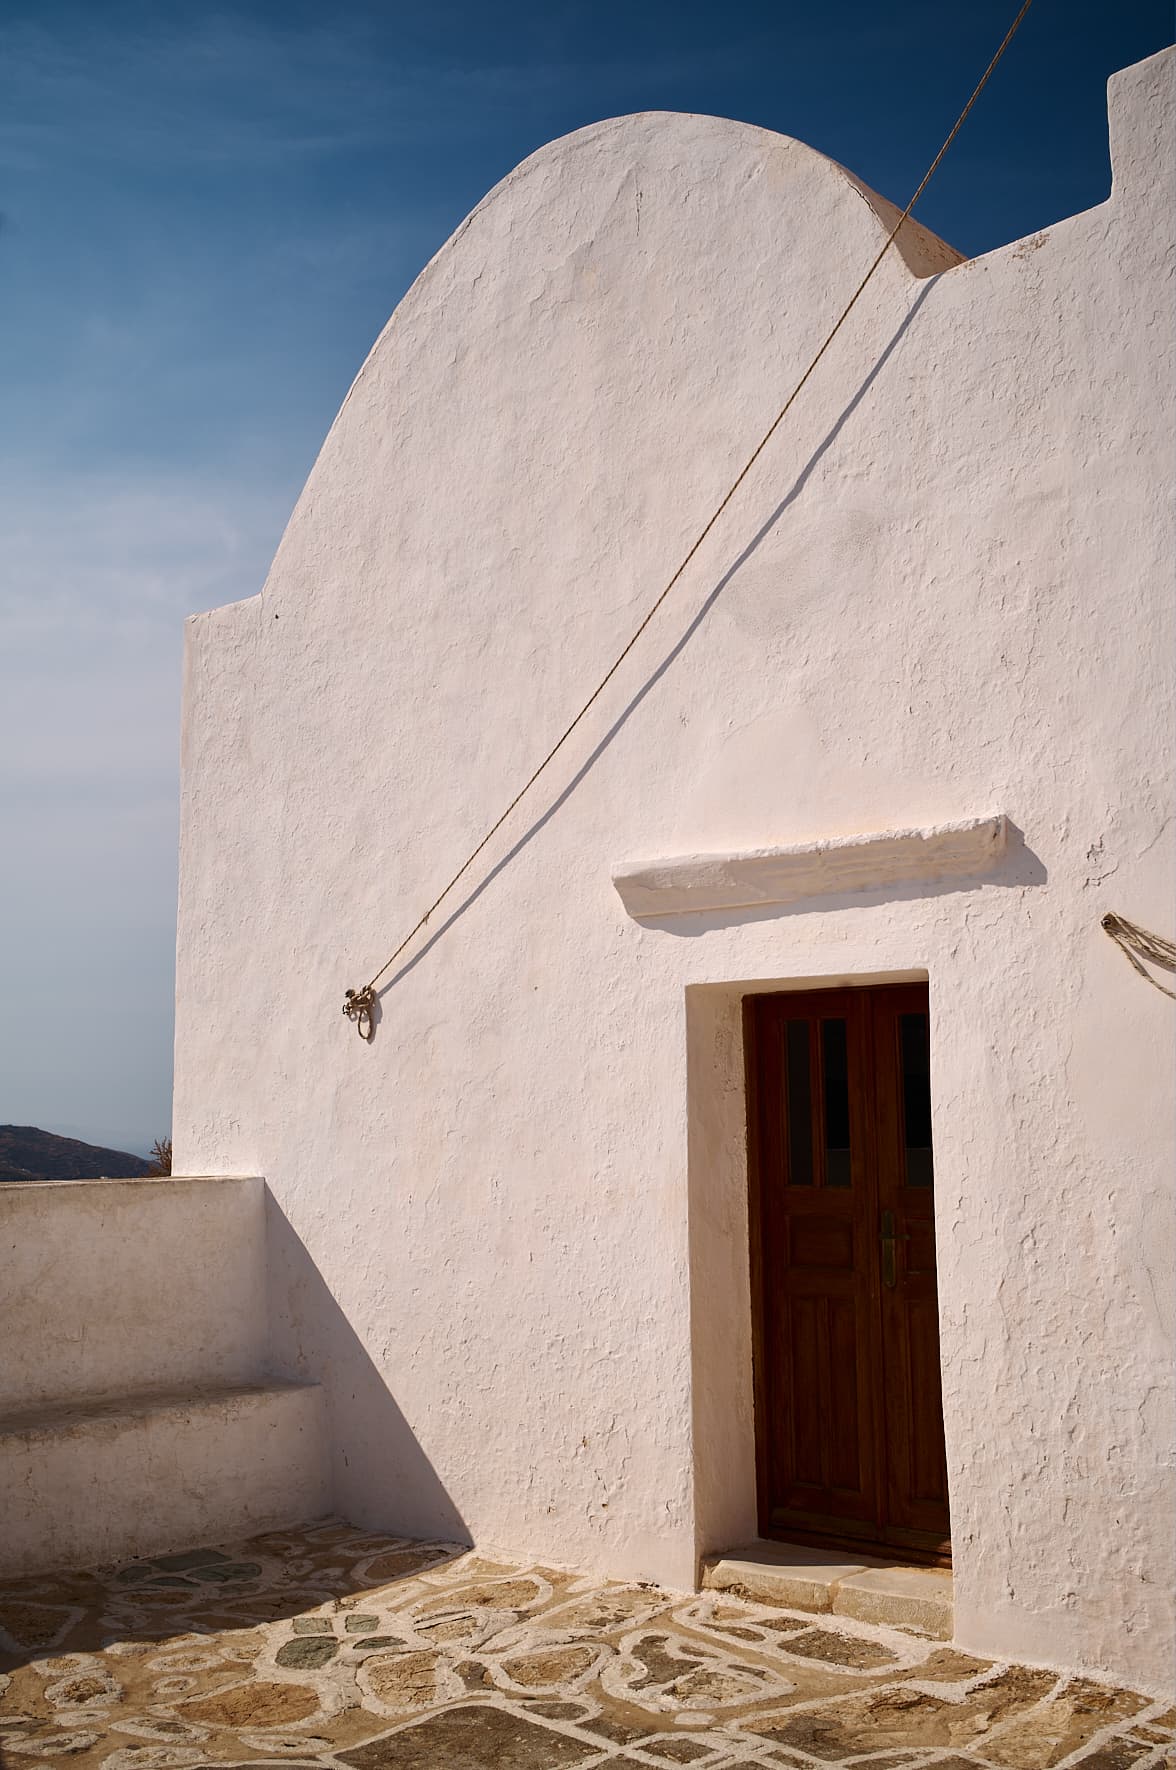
(227, 1572)
(553, 1667)
(508, 1594)
(616, 1730)
(27, 1627)
(658, 1671)
(401, 1563)
(908, 1717)
(787, 1760)
(397, 1684)
(1152, 1735)
(1077, 1713)
(336, 1649)
(64, 1745)
(560, 1711)
(804, 1640)
(307, 1653)
(613, 1607)
(1115, 1754)
(84, 1690)
(255, 1704)
(950, 1666)
(472, 1738)
(951, 1762)
(841, 1649)
(680, 1751)
(465, 1629)
(189, 1559)
(471, 1565)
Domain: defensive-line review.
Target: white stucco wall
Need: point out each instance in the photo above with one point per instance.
(113, 1287)
(516, 1260)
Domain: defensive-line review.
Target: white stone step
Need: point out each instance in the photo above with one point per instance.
(829, 1581)
(90, 1482)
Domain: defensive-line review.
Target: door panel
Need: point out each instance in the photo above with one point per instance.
(849, 1408)
(927, 1474)
(915, 1466)
(820, 1244)
(846, 1449)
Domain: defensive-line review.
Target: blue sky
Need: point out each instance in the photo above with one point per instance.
(208, 215)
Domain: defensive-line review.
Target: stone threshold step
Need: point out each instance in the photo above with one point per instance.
(832, 1582)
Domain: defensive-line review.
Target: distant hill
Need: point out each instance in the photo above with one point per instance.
(29, 1154)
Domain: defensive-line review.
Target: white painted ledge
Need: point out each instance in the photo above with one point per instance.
(696, 883)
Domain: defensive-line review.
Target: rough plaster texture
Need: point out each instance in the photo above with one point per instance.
(117, 1285)
(510, 1235)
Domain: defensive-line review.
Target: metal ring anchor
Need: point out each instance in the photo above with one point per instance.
(360, 1005)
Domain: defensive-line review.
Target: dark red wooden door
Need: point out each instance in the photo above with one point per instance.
(848, 1400)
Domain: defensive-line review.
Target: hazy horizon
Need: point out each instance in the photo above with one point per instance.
(77, 1134)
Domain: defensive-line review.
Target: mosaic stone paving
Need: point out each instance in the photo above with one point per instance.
(329, 1647)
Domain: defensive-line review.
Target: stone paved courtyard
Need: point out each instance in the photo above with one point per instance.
(331, 1647)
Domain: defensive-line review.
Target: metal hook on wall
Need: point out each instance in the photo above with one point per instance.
(360, 1005)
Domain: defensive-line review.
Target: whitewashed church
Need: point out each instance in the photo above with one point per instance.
(764, 1140)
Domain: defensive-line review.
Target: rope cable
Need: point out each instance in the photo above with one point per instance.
(359, 1005)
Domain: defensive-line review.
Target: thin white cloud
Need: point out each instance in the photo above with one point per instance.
(96, 574)
(127, 544)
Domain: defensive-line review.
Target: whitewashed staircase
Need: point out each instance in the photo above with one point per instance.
(137, 1412)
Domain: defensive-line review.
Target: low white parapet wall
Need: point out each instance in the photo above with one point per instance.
(138, 1410)
(112, 1287)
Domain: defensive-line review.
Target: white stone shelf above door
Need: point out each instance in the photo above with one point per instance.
(752, 878)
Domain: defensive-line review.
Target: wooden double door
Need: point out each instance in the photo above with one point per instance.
(849, 1409)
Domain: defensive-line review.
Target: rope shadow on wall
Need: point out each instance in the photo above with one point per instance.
(361, 1006)
(372, 1009)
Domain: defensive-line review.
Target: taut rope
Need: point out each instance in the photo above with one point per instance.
(360, 1005)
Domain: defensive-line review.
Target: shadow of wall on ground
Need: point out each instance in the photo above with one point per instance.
(199, 1605)
(204, 1590)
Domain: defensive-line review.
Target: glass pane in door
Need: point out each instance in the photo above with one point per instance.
(914, 1047)
(835, 1076)
(800, 1103)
